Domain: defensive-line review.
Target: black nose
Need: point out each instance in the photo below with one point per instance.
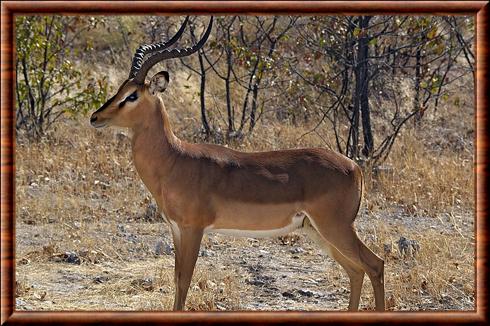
(93, 119)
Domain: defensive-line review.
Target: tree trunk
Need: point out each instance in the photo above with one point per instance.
(416, 100)
(253, 111)
(204, 118)
(363, 87)
(354, 128)
(229, 109)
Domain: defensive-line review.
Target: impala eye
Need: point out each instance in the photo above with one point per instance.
(133, 97)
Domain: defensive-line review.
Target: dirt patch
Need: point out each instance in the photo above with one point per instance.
(89, 238)
(265, 274)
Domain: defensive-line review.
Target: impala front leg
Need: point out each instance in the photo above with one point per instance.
(187, 241)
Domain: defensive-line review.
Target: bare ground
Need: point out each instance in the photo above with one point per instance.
(288, 273)
(86, 238)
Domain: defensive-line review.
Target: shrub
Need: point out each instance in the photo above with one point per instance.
(48, 83)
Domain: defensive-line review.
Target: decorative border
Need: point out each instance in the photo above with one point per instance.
(480, 9)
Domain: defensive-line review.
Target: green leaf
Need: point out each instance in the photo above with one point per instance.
(432, 33)
(356, 31)
(457, 101)
(373, 41)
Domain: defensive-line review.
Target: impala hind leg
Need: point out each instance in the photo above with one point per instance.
(352, 248)
(355, 272)
(186, 242)
(345, 240)
(375, 266)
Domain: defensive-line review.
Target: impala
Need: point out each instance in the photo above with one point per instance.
(202, 188)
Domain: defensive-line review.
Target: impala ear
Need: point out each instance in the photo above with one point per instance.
(159, 82)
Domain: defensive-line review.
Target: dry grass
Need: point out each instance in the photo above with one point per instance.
(140, 285)
(439, 275)
(424, 183)
(77, 191)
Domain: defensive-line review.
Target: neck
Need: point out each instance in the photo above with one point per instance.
(154, 146)
(154, 127)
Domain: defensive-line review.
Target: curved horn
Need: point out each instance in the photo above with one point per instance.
(145, 49)
(169, 54)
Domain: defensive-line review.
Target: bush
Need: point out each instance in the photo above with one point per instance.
(48, 83)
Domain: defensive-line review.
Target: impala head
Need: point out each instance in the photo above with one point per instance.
(134, 94)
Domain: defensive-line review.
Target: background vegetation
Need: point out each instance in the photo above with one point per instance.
(393, 93)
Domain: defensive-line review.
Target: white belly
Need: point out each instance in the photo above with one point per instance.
(296, 222)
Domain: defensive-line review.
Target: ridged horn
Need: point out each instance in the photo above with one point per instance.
(146, 49)
(169, 54)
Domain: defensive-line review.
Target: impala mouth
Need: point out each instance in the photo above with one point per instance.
(97, 124)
